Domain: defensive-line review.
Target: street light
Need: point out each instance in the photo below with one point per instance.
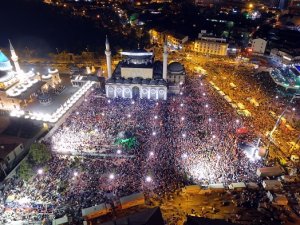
(155, 117)
(119, 151)
(153, 133)
(111, 176)
(75, 174)
(151, 153)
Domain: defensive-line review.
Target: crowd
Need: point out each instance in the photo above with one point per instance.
(190, 138)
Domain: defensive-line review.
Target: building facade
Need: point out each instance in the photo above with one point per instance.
(174, 40)
(259, 45)
(138, 75)
(210, 45)
(18, 88)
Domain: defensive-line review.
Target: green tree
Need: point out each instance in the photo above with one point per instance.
(39, 153)
(25, 170)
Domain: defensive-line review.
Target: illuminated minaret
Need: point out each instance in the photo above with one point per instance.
(108, 58)
(165, 61)
(14, 58)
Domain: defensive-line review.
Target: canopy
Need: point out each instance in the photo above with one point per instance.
(242, 130)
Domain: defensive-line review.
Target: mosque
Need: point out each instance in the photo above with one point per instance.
(138, 75)
(18, 88)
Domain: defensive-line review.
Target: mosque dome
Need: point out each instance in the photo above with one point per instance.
(5, 64)
(175, 68)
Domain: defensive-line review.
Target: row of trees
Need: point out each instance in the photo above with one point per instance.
(38, 155)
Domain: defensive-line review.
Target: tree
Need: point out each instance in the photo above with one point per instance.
(39, 153)
(25, 171)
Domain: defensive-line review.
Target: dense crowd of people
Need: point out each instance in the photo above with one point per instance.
(190, 138)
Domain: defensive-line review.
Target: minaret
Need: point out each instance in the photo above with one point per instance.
(165, 61)
(14, 58)
(108, 58)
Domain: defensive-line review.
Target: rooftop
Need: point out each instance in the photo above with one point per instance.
(5, 149)
(3, 57)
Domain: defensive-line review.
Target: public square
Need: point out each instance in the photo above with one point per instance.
(190, 138)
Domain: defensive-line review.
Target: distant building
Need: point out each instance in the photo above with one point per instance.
(18, 88)
(207, 2)
(174, 40)
(286, 57)
(259, 45)
(150, 216)
(210, 45)
(138, 75)
(9, 156)
(294, 7)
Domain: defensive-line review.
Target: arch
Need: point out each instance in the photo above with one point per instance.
(135, 92)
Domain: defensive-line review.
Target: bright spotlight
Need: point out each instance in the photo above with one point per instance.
(183, 135)
(119, 151)
(155, 117)
(182, 118)
(206, 105)
(294, 109)
(77, 113)
(209, 119)
(181, 104)
(111, 176)
(132, 102)
(184, 155)
(214, 136)
(129, 116)
(203, 94)
(181, 93)
(108, 101)
(151, 153)
(148, 179)
(153, 133)
(237, 121)
(75, 174)
(40, 171)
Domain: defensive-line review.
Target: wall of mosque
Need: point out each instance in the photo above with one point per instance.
(137, 72)
(9, 104)
(136, 90)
